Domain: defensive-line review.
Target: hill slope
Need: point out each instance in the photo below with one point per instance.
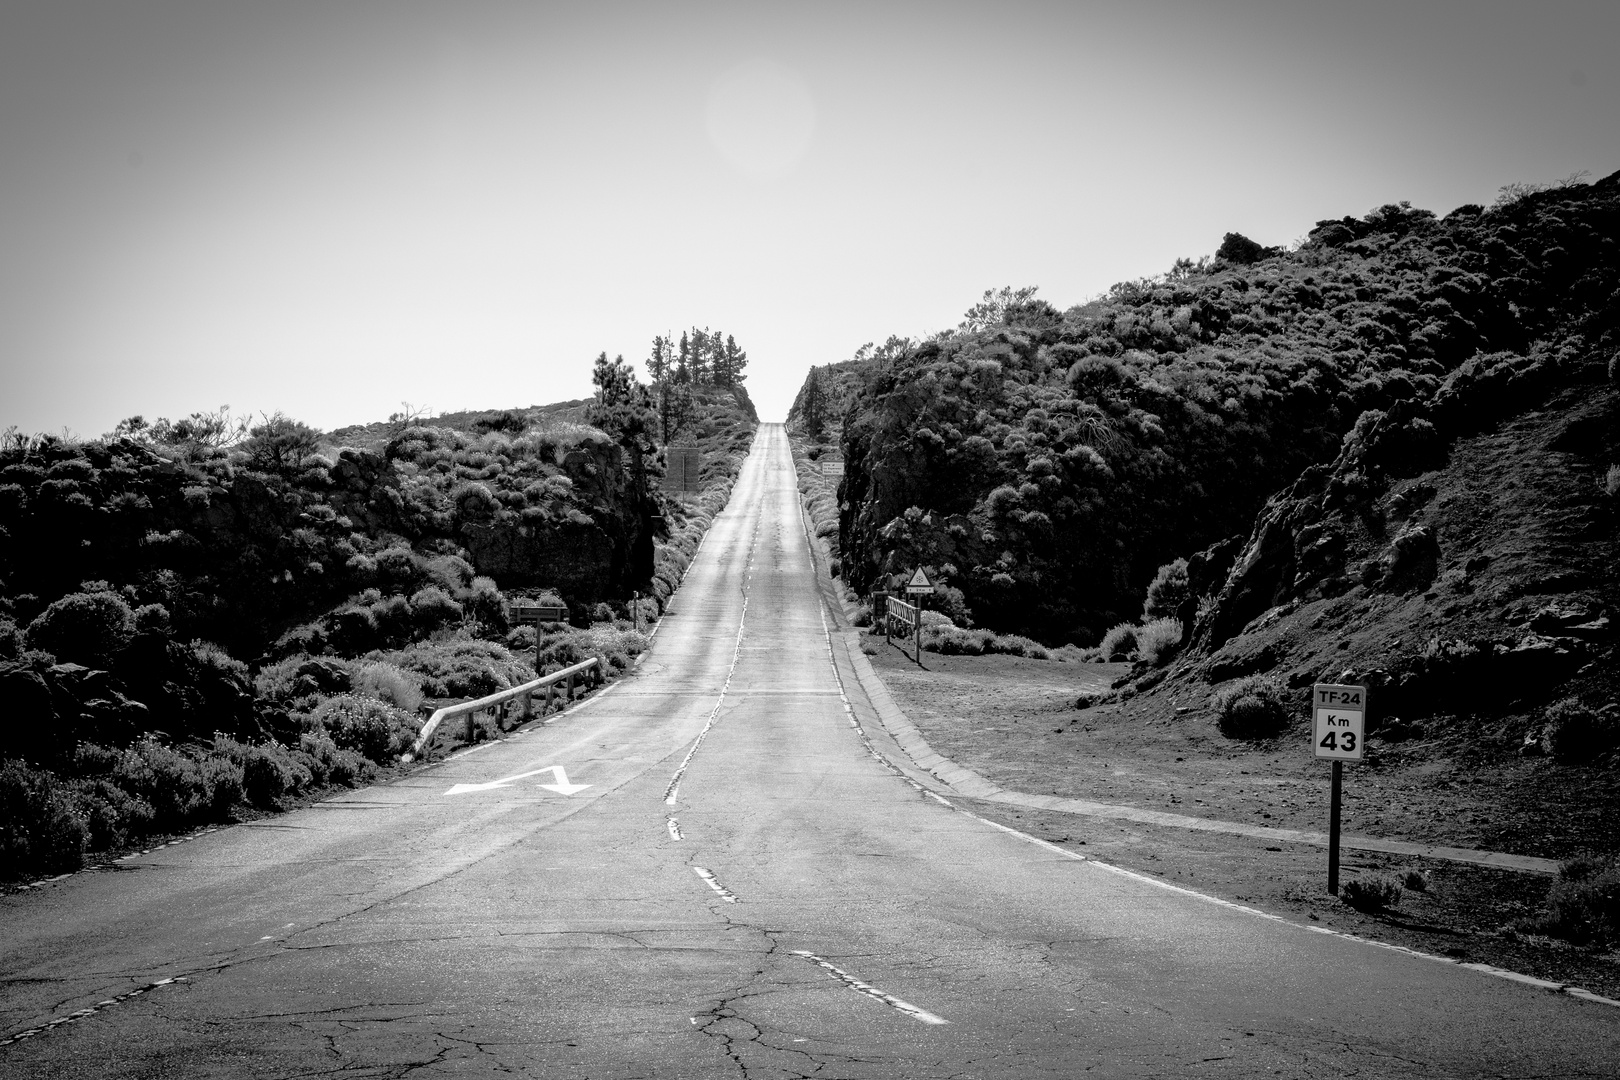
(1046, 463)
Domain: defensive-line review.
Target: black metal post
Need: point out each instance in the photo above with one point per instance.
(1333, 829)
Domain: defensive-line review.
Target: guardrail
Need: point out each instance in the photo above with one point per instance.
(496, 701)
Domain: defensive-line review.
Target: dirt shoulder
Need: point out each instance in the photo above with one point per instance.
(1013, 721)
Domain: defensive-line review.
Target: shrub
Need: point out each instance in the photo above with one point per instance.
(1611, 482)
(1017, 645)
(180, 789)
(269, 773)
(1371, 894)
(39, 831)
(1252, 708)
(948, 639)
(1158, 641)
(389, 684)
(1575, 733)
(1167, 590)
(1583, 905)
(112, 815)
(11, 640)
(83, 628)
(329, 763)
(298, 677)
(1119, 642)
(153, 619)
(483, 601)
(432, 607)
(367, 726)
(1415, 881)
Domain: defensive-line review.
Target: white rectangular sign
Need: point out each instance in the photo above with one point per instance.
(1338, 721)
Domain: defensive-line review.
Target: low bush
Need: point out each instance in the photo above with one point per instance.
(1119, 643)
(112, 815)
(269, 773)
(83, 628)
(1167, 591)
(1583, 905)
(1252, 708)
(389, 684)
(947, 639)
(1018, 645)
(1158, 641)
(1370, 894)
(39, 831)
(181, 790)
(329, 763)
(377, 730)
(461, 667)
(1574, 732)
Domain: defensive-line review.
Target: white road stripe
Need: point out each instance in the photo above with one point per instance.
(725, 894)
(871, 991)
(674, 829)
(80, 1014)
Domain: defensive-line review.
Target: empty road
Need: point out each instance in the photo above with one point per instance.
(745, 888)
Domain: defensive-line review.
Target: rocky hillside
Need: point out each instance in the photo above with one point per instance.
(1047, 463)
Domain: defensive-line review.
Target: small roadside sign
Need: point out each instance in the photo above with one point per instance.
(522, 609)
(831, 467)
(919, 585)
(1339, 721)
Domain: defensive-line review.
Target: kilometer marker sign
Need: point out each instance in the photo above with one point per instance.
(1338, 733)
(1339, 721)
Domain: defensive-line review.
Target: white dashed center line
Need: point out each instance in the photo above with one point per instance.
(871, 991)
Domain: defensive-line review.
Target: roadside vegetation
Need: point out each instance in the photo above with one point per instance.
(218, 617)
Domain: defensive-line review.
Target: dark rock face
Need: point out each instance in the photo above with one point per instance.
(1302, 541)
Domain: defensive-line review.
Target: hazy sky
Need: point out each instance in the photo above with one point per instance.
(330, 208)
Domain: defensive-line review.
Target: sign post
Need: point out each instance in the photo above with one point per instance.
(832, 471)
(918, 587)
(1338, 733)
(519, 610)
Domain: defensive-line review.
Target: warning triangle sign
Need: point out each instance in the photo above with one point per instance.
(919, 580)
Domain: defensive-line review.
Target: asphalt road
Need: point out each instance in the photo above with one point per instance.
(745, 888)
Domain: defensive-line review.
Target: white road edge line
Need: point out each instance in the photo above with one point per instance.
(871, 991)
(725, 894)
(1484, 969)
(80, 1014)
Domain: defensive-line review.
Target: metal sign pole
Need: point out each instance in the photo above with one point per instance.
(1333, 829)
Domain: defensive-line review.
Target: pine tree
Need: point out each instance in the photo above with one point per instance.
(661, 364)
(701, 372)
(729, 363)
(623, 408)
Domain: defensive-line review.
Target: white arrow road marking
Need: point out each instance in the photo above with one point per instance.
(561, 785)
